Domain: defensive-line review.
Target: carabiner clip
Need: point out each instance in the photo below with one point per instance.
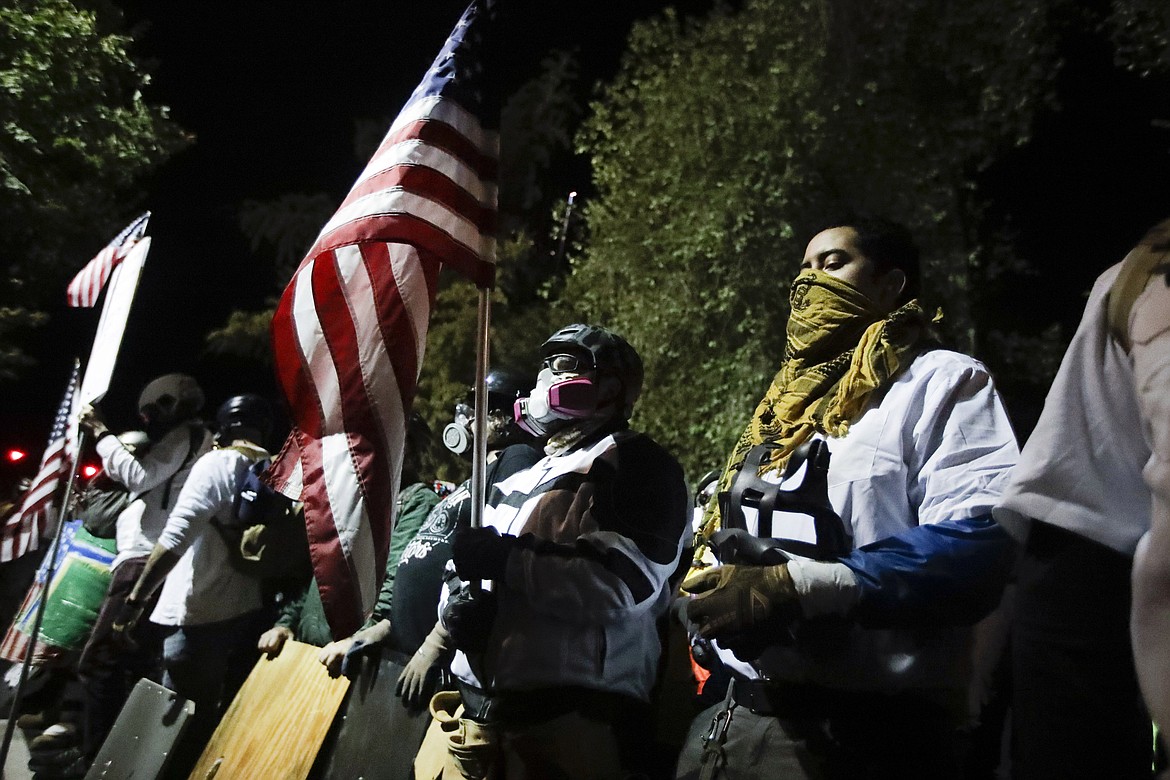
(722, 720)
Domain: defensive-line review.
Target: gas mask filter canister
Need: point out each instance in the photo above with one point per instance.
(457, 434)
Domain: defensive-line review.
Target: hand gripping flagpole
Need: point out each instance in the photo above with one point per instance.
(50, 571)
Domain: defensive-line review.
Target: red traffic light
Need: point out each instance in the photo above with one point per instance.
(15, 455)
(89, 470)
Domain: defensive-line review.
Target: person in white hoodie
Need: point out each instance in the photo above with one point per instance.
(113, 661)
(211, 613)
(1090, 502)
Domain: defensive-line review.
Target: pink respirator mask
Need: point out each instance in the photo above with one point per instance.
(572, 399)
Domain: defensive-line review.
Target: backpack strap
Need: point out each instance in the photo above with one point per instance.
(1151, 256)
(196, 433)
(233, 536)
(255, 503)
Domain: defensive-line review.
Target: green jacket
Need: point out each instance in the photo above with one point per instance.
(415, 502)
(305, 615)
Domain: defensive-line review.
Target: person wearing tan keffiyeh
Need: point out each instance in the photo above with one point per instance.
(842, 346)
(841, 349)
(871, 647)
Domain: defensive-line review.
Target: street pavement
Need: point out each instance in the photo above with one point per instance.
(16, 767)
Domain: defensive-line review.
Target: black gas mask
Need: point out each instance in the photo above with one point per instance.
(158, 417)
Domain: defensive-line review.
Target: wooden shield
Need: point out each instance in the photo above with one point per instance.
(277, 722)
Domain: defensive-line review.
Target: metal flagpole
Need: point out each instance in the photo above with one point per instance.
(560, 250)
(479, 439)
(49, 572)
(479, 443)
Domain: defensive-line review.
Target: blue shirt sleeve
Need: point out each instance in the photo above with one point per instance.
(950, 573)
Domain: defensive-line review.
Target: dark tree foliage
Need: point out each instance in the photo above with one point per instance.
(76, 136)
(722, 143)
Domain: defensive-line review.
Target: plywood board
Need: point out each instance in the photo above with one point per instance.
(277, 722)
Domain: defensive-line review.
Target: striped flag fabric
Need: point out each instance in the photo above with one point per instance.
(85, 288)
(14, 645)
(24, 528)
(349, 333)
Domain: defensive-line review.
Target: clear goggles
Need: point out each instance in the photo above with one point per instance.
(567, 364)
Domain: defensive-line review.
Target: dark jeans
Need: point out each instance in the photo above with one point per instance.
(1076, 710)
(207, 663)
(109, 666)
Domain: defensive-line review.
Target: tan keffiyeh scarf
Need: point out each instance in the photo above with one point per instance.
(840, 349)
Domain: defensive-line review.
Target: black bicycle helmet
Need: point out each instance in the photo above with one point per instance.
(248, 411)
(611, 354)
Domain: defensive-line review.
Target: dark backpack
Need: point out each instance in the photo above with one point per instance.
(266, 534)
(256, 503)
(101, 507)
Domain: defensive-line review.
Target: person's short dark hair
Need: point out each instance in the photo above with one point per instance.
(887, 243)
(416, 448)
(418, 434)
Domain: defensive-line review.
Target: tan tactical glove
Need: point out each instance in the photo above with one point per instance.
(735, 599)
(252, 542)
(414, 678)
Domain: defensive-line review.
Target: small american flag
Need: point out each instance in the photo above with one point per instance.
(23, 529)
(87, 285)
(350, 330)
(14, 645)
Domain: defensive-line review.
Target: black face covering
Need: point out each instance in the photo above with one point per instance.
(157, 420)
(502, 431)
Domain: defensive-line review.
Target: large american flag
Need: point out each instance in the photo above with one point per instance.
(23, 529)
(350, 330)
(87, 285)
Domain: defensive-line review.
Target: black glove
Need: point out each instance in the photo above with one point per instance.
(468, 616)
(125, 621)
(481, 553)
